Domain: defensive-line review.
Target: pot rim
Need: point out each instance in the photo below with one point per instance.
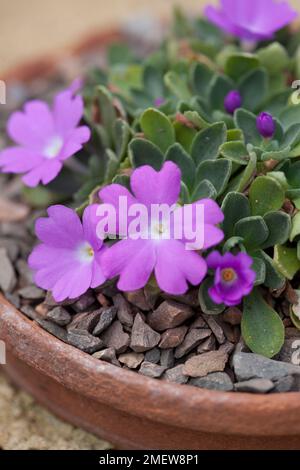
(178, 405)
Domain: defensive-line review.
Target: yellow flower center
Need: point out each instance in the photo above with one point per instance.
(228, 275)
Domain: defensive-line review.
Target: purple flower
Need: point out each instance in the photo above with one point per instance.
(251, 20)
(266, 125)
(45, 138)
(159, 102)
(174, 266)
(234, 278)
(68, 261)
(233, 101)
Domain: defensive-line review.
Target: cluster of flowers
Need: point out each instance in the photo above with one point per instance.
(71, 257)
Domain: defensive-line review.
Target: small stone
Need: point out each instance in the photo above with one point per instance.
(59, 315)
(191, 341)
(285, 384)
(215, 381)
(215, 328)
(291, 294)
(249, 365)
(255, 386)
(124, 310)
(8, 279)
(143, 337)
(29, 312)
(11, 247)
(167, 358)
(292, 333)
(103, 301)
(31, 293)
(52, 328)
(153, 355)
(51, 302)
(151, 370)
(85, 321)
(151, 295)
(173, 337)
(191, 298)
(138, 299)
(106, 318)
(12, 211)
(198, 323)
(107, 355)
(210, 344)
(25, 273)
(42, 310)
(84, 341)
(132, 359)
(115, 337)
(233, 316)
(14, 299)
(227, 347)
(203, 364)
(84, 302)
(169, 314)
(176, 375)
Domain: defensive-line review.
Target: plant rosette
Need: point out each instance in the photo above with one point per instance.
(177, 243)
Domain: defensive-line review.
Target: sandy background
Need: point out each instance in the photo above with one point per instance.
(29, 29)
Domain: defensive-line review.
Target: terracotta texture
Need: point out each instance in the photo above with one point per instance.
(134, 411)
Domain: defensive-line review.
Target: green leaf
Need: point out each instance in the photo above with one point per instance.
(177, 85)
(220, 86)
(119, 54)
(274, 279)
(278, 155)
(286, 261)
(207, 142)
(178, 155)
(201, 77)
(235, 151)
(123, 180)
(235, 207)
(206, 304)
(153, 81)
(112, 164)
(122, 133)
(279, 226)
(289, 116)
(205, 189)
(238, 65)
(262, 328)
(184, 135)
(293, 175)
(143, 152)
(265, 195)
(216, 171)
(295, 232)
(107, 110)
(253, 230)
(234, 135)
(274, 57)
(247, 122)
(295, 312)
(196, 119)
(253, 88)
(158, 129)
(232, 243)
(240, 182)
(260, 270)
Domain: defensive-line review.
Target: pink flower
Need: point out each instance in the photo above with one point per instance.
(134, 260)
(68, 261)
(45, 138)
(234, 278)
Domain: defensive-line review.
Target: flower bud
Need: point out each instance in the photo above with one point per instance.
(233, 101)
(266, 125)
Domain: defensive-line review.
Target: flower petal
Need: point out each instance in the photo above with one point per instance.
(68, 111)
(74, 142)
(176, 266)
(156, 187)
(45, 172)
(19, 160)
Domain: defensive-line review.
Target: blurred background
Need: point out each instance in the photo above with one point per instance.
(32, 28)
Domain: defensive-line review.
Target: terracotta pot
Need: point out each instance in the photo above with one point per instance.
(137, 412)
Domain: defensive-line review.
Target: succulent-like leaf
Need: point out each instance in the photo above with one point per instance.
(279, 227)
(259, 267)
(286, 261)
(201, 76)
(216, 171)
(122, 133)
(253, 230)
(246, 121)
(220, 86)
(143, 152)
(241, 181)
(206, 304)
(205, 189)
(158, 129)
(295, 232)
(240, 64)
(235, 207)
(274, 279)
(207, 143)
(262, 328)
(253, 88)
(235, 151)
(178, 155)
(177, 85)
(274, 57)
(265, 195)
